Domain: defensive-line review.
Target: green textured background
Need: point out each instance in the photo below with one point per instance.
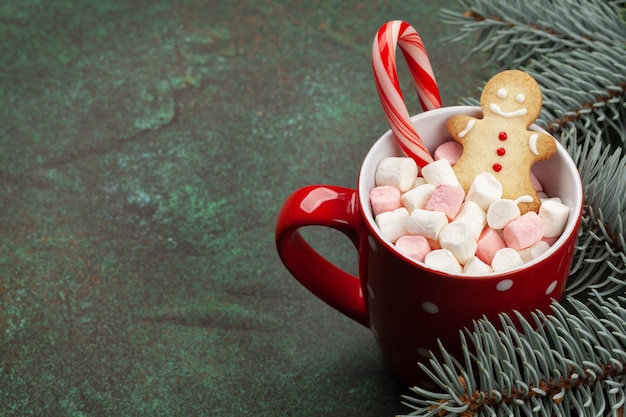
(146, 148)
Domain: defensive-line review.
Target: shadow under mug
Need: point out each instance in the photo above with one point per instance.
(407, 305)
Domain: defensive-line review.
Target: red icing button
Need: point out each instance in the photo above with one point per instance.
(497, 167)
(502, 136)
(501, 151)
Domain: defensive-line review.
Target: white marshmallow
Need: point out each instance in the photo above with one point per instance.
(419, 181)
(393, 224)
(505, 259)
(473, 216)
(476, 267)
(554, 215)
(440, 172)
(458, 239)
(426, 223)
(485, 189)
(534, 251)
(557, 199)
(418, 197)
(443, 260)
(397, 171)
(501, 212)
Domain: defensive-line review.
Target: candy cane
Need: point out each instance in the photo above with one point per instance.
(389, 36)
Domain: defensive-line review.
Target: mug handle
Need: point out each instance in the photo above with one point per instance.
(329, 206)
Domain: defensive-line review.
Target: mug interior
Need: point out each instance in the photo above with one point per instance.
(558, 175)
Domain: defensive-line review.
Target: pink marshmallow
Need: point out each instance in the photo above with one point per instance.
(535, 182)
(550, 240)
(451, 151)
(385, 198)
(524, 231)
(434, 243)
(446, 198)
(489, 243)
(415, 247)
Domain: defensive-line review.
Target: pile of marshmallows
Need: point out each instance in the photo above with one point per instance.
(430, 218)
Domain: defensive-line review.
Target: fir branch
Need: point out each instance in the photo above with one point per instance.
(514, 32)
(587, 89)
(573, 361)
(600, 259)
(560, 364)
(580, 63)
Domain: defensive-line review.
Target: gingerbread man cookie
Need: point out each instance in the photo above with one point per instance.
(500, 143)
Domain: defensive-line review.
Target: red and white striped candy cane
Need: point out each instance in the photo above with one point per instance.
(389, 36)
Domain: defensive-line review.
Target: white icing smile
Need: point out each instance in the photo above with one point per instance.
(497, 110)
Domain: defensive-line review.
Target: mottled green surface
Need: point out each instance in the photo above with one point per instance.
(145, 152)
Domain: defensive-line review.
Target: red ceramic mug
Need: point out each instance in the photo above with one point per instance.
(407, 305)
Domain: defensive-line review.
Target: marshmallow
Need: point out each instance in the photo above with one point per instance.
(434, 243)
(415, 247)
(505, 259)
(488, 244)
(502, 212)
(458, 239)
(397, 171)
(535, 182)
(542, 196)
(534, 251)
(473, 216)
(418, 181)
(417, 197)
(485, 189)
(393, 224)
(446, 198)
(554, 215)
(443, 260)
(384, 198)
(547, 198)
(451, 151)
(550, 240)
(440, 172)
(476, 267)
(524, 231)
(426, 223)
